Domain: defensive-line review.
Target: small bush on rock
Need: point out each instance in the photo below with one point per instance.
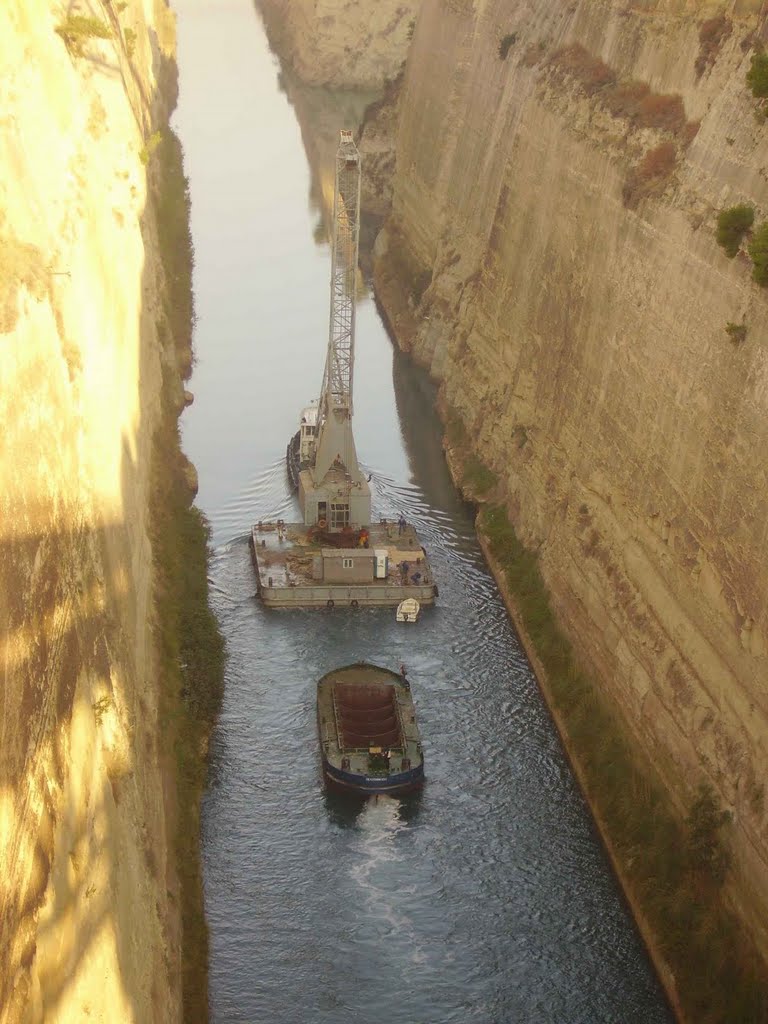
(506, 45)
(757, 76)
(732, 225)
(758, 252)
(76, 30)
(736, 332)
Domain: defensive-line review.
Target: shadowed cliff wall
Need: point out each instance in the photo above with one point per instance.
(572, 301)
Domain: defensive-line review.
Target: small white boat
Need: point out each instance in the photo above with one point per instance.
(408, 610)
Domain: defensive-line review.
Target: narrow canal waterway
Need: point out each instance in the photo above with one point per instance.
(487, 898)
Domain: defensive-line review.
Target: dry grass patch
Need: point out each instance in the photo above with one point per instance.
(651, 175)
(626, 98)
(663, 111)
(712, 34)
(630, 99)
(590, 72)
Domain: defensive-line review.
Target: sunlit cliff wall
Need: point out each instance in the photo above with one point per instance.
(88, 925)
(573, 303)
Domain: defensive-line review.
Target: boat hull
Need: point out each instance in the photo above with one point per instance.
(393, 785)
(369, 739)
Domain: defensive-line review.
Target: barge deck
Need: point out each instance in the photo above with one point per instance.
(293, 570)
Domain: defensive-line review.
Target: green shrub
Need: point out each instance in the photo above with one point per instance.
(172, 208)
(732, 225)
(77, 29)
(757, 76)
(506, 45)
(190, 666)
(736, 332)
(758, 252)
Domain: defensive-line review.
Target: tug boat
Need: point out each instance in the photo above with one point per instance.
(369, 739)
(301, 446)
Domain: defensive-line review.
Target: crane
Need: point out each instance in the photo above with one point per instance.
(333, 492)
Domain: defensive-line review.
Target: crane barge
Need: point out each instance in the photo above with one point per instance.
(337, 555)
(334, 495)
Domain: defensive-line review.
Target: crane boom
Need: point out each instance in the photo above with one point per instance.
(333, 492)
(336, 393)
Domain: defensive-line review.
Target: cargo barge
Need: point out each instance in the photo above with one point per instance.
(369, 739)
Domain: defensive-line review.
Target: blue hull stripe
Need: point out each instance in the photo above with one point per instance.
(364, 784)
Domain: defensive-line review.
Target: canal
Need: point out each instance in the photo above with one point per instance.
(487, 898)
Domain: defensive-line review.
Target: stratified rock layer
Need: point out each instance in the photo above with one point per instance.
(551, 257)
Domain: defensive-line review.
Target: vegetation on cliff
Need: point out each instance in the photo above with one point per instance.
(650, 176)
(506, 45)
(757, 76)
(758, 252)
(191, 666)
(732, 225)
(673, 868)
(636, 103)
(712, 34)
(736, 332)
(77, 29)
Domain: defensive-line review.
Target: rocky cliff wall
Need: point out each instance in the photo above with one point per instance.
(551, 257)
(341, 43)
(88, 897)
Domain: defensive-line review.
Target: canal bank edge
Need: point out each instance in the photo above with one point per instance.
(190, 647)
(662, 968)
(652, 937)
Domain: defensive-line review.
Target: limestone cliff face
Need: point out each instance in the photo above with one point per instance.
(551, 257)
(342, 43)
(88, 922)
